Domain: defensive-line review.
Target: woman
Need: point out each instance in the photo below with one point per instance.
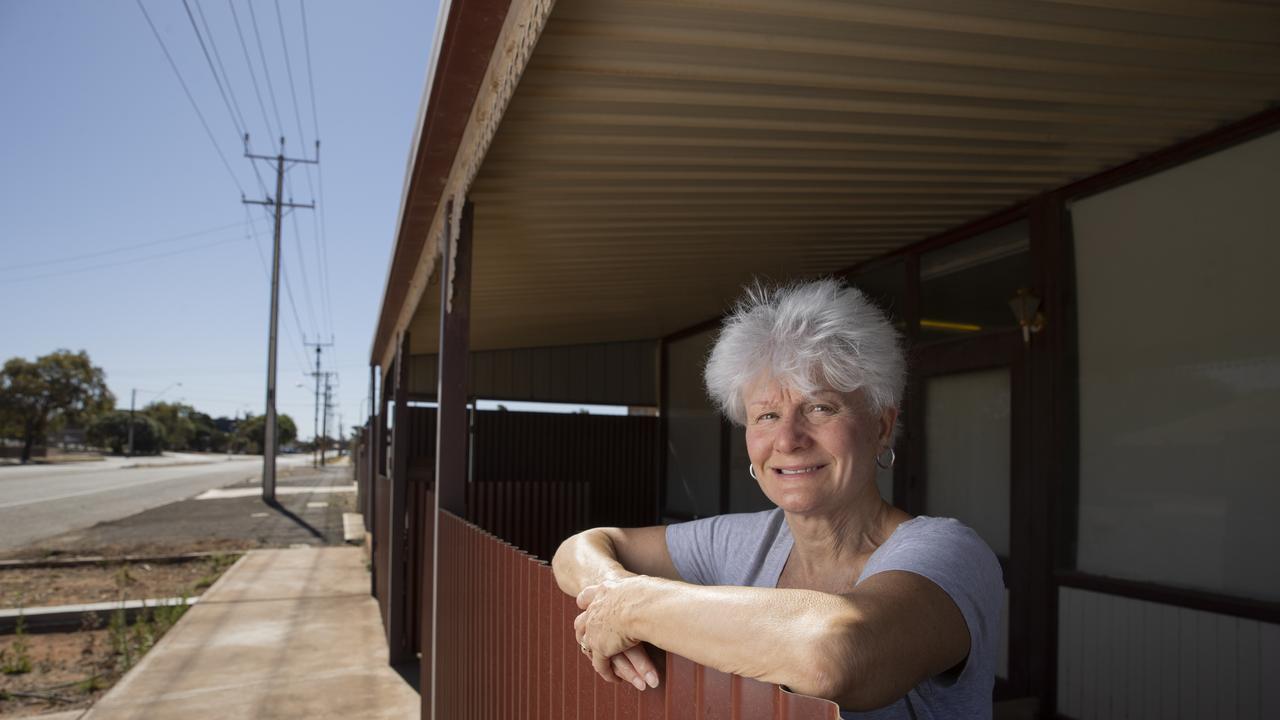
(835, 593)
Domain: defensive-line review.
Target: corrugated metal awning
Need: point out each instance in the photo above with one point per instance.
(656, 155)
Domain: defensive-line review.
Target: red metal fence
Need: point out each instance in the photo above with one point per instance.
(382, 542)
(506, 650)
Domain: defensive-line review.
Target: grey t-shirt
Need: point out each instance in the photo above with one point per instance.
(751, 549)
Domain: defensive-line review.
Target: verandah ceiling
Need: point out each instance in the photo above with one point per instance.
(656, 155)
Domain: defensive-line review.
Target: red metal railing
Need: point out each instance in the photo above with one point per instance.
(506, 650)
(382, 542)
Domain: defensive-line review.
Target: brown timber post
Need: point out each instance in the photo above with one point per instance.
(398, 581)
(372, 440)
(452, 431)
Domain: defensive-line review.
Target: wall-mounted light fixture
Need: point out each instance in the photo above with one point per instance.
(1025, 306)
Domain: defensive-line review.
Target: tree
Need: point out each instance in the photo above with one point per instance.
(57, 389)
(252, 432)
(179, 428)
(207, 437)
(111, 430)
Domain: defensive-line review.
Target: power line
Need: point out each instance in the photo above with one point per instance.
(192, 100)
(293, 90)
(242, 128)
(306, 42)
(302, 264)
(239, 124)
(297, 114)
(321, 234)
(123, 248)
(253, 75)
(306, 284)
(120, 263)
(213, 45)
(266, 71)
(266, 274)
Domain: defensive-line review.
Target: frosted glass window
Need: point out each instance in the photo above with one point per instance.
(967, 452)
(1179, 347)
(693, 430)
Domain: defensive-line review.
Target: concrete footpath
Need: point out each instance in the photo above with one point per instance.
(282, 634)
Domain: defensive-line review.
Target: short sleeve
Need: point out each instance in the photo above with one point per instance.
(733, 549)
(692, 548)
(954, 558)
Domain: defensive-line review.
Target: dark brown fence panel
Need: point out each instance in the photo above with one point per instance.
(538, 478)
(360, 472)
(420, 504)
(421, 437)
(382, 543)
(506, 650)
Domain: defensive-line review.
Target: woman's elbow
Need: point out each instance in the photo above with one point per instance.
(562, 563)
(845, 672)
(834, 664)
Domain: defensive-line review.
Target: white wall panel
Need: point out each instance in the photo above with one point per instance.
(1125, 658)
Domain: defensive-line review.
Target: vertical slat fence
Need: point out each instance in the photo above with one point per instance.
(538, 478)
(506, 650)
(382, 542)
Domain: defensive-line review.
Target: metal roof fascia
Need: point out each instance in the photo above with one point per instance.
(442, 18)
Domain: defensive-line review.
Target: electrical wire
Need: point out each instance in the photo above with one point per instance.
(321, 234)
(266, 272)
(191, 99)
(302, 265)
(123, 248)
(252, 75)
(306, 284)
(119, 263)
(237, 118)
(293, 90)
(239, 124)
(266, 72)
(297, 114)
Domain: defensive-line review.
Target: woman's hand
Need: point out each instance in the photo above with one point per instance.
(602, 627)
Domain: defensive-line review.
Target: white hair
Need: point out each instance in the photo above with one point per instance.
(806, 336)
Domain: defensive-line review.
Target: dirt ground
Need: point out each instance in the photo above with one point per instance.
(47, 672)
(68, 671)
(37, 587)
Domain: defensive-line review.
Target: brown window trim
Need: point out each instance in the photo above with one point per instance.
(1261, 610)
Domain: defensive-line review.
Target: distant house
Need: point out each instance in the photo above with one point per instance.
(1068, 208)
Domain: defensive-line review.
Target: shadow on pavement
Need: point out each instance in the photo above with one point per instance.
(411, 673)
(275, 505)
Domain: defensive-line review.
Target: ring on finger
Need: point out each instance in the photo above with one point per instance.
(586, 650)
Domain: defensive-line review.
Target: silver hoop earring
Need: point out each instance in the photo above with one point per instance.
(886, 464)
(752, 469)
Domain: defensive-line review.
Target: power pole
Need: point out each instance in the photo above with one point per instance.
(269, 429)
(133, 399)
(324, 428)
(315, 427)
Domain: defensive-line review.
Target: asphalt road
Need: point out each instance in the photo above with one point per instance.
(40, 501)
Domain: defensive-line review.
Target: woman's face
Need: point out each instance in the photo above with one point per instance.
(813, 453)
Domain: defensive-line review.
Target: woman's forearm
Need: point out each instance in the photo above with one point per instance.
(588, 558)
(797, 638)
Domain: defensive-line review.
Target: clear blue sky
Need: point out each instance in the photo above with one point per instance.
(101, 150)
